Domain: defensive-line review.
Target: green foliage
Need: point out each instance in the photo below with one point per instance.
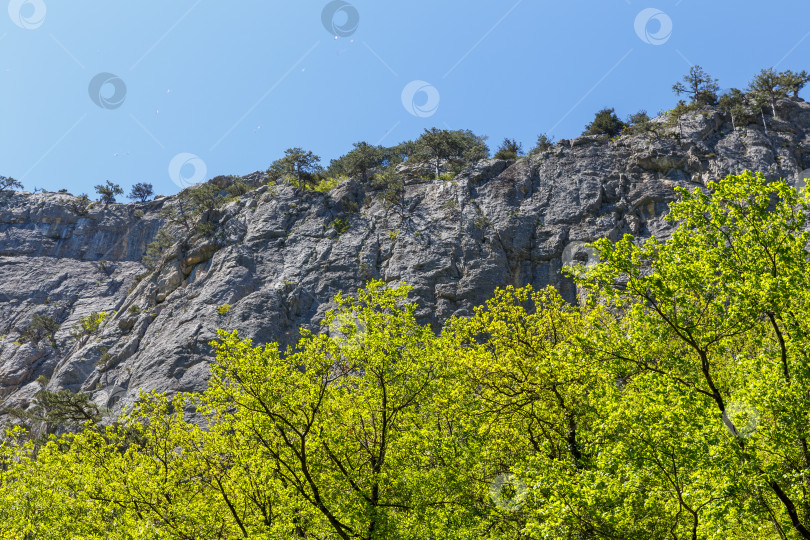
(391, 185)
(341, 225)
(509, 149)
(699, 86)
(141, 192)
(544, 143)
(41, 327)
(156, 249)
(734, 104)
(89, 325)
(107, 192)
(79, 205)
(325, 185)
(455, 147)
(62, 409)
(297, 164)
(605, 123)
(769, 85)
(363, 159)
(223, 309)
(103, 359)
(794, 82)
(640, 123)
(672, 401)
(8, 184)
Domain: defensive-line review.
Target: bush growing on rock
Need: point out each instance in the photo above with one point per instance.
(605, 122)
(79, 205)
(543, 144)
(509, 149)
(40, 327)
(156, 249)
(89, 325)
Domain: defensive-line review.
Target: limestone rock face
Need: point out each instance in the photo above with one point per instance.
(277, 257)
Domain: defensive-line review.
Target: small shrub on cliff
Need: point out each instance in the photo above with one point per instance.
(223, 309)
(340, 225)
(605, 122)
(88, 325)
(79, 205)
(544, 143)
(40, 327)
(392, 185)
(509, 149)
(156, 248)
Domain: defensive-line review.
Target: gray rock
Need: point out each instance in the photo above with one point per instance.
(277, 259)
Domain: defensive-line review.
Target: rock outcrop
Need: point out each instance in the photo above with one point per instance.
(278, 255)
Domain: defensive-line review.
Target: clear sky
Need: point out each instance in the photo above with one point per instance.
(98, 89)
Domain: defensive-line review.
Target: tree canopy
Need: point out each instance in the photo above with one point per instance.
(671, 401)
(605, 122)
(108, 191)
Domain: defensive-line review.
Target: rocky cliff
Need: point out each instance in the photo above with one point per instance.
(278, 255)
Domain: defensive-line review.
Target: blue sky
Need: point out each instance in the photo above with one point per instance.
(227, 86)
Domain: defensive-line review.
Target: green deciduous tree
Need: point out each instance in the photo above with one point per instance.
(671, 401)
(718, 314)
